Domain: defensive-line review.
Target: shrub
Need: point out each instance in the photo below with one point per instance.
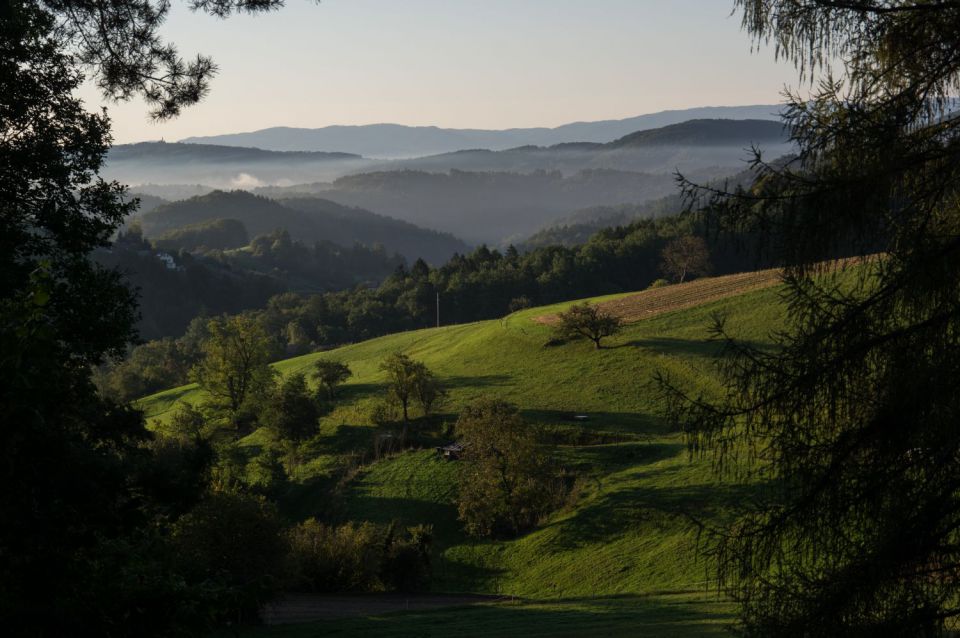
(405, 565)
(329, 559)
(658, 283)
(232, 546)
(358, 557)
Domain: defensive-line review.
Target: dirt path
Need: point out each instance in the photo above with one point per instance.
(296, 608)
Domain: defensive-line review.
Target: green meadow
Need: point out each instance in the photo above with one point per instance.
(622, 557)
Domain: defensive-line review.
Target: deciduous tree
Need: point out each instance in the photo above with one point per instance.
(330, 374)
(683, 256)
(75, 506)
(506, 483)
(291, 411)
(235, 365)
(587, 321)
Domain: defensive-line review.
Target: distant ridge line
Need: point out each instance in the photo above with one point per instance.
(386, 140)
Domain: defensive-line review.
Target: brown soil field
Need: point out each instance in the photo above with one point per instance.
(650, 303)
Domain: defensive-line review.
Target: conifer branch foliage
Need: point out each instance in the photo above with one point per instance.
(849, 427)
(120, 42)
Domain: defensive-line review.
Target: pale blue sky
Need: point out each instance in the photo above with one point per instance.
(462, 63)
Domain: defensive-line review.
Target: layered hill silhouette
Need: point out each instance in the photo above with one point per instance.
(395, 140)
(307, 220)
(481, 195)
(484, 206)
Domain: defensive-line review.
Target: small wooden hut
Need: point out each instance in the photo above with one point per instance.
(450, 451)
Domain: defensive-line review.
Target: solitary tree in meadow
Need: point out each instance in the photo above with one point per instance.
(587, 321)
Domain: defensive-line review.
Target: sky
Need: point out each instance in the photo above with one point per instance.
(460, 63)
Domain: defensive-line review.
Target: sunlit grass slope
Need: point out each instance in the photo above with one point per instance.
(627, 532)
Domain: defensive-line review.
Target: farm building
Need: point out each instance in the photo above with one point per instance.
(450, 451)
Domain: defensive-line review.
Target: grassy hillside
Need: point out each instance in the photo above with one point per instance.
(625, 542)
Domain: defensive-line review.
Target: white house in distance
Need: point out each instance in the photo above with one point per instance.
(167, 260)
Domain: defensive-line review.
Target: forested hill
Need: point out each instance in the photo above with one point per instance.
(485, 206)
(581, 225)
(177, 153)
(222, 166)
(707, 133)
(307, 219)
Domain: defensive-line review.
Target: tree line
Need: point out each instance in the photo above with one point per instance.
(483, 284)
(212, 280)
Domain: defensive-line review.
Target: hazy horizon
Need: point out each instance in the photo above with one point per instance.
(472, 64)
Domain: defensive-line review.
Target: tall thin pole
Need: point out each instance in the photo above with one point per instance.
(438, 309)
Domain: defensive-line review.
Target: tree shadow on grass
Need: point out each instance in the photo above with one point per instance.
(311, 498)
(696, 347)
(630, 508)
(477, 381)
(352, 392)
(383, 510)
(630, 423)
(347, 439)
(607, 459)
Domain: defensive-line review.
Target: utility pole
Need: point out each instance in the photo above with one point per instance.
(438, 309)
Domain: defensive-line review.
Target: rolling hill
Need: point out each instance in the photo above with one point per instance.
(398, 141)
(481, 195)
(222, 166)
(714, 147)
(497, 197)
(622, 557)
(704, 132)
(307, 220)
(483, 206)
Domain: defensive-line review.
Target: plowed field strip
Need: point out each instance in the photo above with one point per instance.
(650, 303)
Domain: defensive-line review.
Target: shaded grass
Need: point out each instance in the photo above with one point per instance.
(663, 615)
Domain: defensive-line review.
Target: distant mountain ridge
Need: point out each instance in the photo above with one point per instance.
(706, 132)
(479, 195)
(175, 152)
(400, 141)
